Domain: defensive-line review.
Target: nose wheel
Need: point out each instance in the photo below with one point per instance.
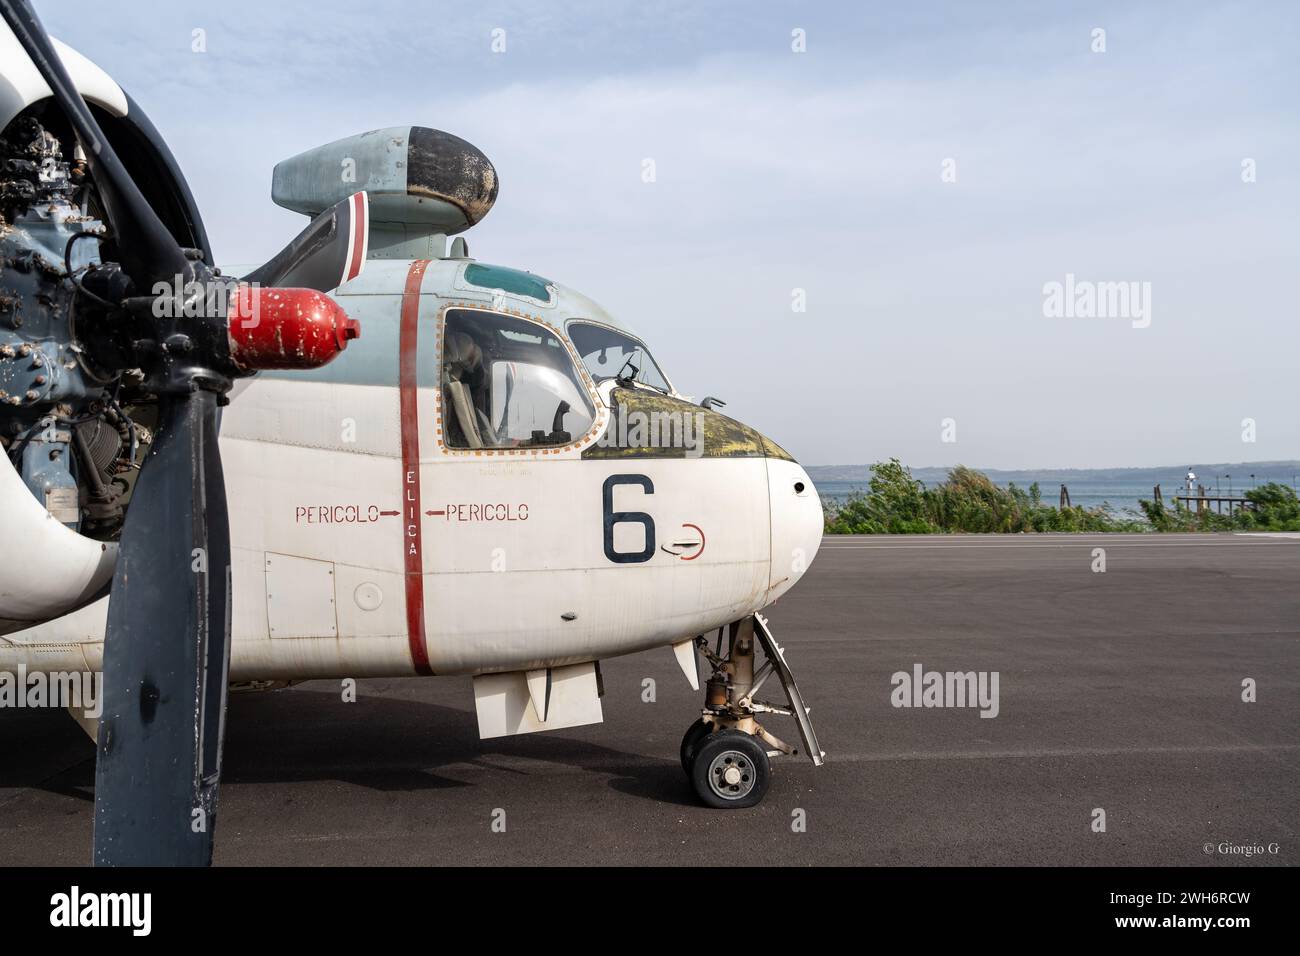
(726, 752)
(731, 770)
(691, 740)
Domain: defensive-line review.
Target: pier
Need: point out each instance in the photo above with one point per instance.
(1202, 501)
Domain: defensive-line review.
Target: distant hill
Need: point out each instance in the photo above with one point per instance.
(1264, 471)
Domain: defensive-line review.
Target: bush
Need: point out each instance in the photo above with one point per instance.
(895, 505)
(968, 501)
(1274, 508)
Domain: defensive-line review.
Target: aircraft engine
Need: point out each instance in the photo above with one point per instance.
(119, 343)
(70, 447)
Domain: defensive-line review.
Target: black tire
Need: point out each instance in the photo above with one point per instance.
(691, 740)
(731, 770)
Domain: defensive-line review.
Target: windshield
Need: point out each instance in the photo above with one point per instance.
(508, 383)
(611, 354)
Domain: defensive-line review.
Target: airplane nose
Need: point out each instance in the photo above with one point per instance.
(797, 523)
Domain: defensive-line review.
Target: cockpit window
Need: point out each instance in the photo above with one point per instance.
(611, 354)
(509, 383)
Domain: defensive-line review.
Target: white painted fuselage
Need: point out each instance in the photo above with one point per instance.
(362, 545)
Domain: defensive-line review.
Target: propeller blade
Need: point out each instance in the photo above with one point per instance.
(328, 253)
(147, 251)
(167, 652)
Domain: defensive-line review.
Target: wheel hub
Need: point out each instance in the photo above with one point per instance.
(731, 775)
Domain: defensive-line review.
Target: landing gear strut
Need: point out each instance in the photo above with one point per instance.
(726, 752)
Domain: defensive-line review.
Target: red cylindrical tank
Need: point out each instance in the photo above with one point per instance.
(286, 328)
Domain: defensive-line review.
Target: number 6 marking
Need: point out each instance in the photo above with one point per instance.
(613, 517)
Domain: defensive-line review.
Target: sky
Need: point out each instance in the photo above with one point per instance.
(853, 244)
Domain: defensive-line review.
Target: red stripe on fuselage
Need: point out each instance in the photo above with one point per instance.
(408, 392)
(358, 236)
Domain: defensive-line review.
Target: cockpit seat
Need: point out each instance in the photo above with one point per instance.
(462, 363)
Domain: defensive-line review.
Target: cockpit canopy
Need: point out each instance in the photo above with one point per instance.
(612, 353)
(509, 382)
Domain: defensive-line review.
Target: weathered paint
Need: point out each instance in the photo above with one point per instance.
(413, 174)
(715, 435)
(446, 167)
(287, 328)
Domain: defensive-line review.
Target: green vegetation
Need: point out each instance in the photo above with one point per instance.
(968, 502)
(1276, 508)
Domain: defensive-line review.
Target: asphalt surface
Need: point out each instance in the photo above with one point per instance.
(1118, 690)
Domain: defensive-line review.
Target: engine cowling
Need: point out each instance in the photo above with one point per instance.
(48, 569)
